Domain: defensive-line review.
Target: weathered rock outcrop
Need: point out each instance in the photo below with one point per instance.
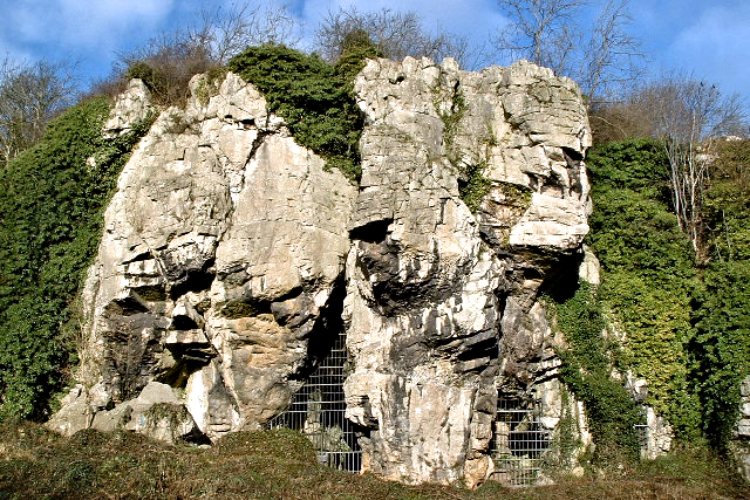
(231, 258)
(441, 305)
(740, 445)
(221, 249)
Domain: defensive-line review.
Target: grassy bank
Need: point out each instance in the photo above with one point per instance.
(281, 464)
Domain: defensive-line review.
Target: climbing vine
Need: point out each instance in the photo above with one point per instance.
(52, 198)
(649, 276)
(586, 370)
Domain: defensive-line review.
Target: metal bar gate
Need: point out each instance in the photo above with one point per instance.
(519, 441)
(318, 411)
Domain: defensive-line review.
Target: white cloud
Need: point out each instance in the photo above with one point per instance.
(105, 21)
(79, 23)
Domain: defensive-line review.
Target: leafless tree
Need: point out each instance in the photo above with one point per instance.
(169, 60)
(688, 115)
(30, 94)
(550, 33)
(225, 32)
(540, 31)
(398, 34)
(612, 57)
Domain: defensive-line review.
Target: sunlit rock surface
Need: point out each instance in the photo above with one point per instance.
(231, 259)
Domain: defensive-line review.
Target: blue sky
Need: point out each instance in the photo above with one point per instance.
(710, 39)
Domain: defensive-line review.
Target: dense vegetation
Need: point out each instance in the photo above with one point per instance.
(722, 318)
(649, 275)
(680, 322)
(314, 97)
(51, 202)
(586, 370)
(685, 325)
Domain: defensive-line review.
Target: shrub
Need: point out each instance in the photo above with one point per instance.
(315, 98)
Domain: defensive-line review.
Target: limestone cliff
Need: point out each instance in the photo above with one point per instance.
(232, 259)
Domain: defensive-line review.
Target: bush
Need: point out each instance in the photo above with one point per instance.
(167, 72)
(315, 98)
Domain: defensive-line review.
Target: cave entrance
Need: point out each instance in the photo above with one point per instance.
(519, 441)
(318, 411)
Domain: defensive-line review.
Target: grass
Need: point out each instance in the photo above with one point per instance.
(281, 464)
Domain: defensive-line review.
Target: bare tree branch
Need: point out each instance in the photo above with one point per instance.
(397, 34)
(612, 57)
(688, 116)
(549, 33)
(168, 61)
(225, 32)
(30, 95)
(540, 31)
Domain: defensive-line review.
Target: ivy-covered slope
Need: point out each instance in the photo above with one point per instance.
(51, 202)
(686, 327)
(649, 277)
(722, 320)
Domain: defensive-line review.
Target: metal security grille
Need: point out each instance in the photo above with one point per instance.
(318, 411)
(519, 441)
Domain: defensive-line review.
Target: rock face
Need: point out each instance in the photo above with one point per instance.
(441, 306)
(221, 250)
(740, 446)
(232, 258)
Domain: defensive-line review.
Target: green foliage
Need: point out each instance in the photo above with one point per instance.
(586, 371)
(567, 437)
(451, 118)
(356, 48)
(473, 185)
(51, 201)
(648, 277)
(476, 186)
(151, 76)
(639, 165)
(726, 203)
(687, 329)
(722, 345)
(209, 83)
(315, 98)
